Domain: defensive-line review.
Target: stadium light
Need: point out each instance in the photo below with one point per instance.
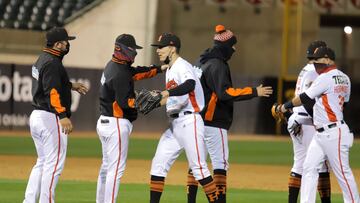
(348, 30)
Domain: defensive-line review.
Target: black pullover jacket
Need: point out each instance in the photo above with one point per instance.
(117, 96)
(218, 90)
(51, 88)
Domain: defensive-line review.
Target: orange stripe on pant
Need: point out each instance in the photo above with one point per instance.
(342, 169)
(197, 148)
(223, 148)
(118, 162)
(57, 158)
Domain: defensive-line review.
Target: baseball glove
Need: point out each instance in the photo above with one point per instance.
(146, 100)
(295, 128)
(276, 113)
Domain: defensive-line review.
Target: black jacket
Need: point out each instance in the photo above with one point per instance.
(117, 96)
(51, 88)
(218, 90)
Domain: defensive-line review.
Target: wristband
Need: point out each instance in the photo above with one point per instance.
(288, 105)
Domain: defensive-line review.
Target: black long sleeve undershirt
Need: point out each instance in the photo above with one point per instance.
(184, 88)
(308, 103)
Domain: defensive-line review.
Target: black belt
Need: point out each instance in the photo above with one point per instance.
(332, 125)
(104, 121)
(176, 115)
(303, 114)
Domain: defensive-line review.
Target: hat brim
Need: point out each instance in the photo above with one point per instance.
(158, 45)
(137, 47)
(71, 38)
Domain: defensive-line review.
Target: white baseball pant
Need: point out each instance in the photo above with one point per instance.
(50, 144)
(333, 143)
(186, 132)
(216, 142)
(114, 136)
(302, 141)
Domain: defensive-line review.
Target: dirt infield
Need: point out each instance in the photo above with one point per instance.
(241, 176)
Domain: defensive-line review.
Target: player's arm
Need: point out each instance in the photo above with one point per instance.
(184, 88)
(143, 72)
(308, 79)
(186, 79)
(317, 88)
(219, 82)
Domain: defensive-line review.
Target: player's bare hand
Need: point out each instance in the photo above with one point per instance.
(164, 67)
(264, 91)
(165, 96)
(66, 125)
(79, 87)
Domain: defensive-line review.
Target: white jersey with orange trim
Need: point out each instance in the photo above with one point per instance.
(306, 77)
(333, 138)
(330, 90)
(179, 72)
(186, 131)
(302, 140)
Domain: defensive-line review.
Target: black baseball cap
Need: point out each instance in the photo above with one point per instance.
(324, 52)
(312, 46)
(57, 34)
(127, 40)
(167, 39)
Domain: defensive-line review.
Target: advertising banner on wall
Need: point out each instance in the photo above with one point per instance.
(15, 97)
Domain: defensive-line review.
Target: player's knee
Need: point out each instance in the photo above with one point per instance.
(200, 173)
(158, 170)
(220, 165)
(309, 169)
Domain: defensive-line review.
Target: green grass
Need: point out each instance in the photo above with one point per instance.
(244, 152)
(13, 191)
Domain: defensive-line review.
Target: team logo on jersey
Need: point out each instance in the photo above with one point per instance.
(35, 73)
(103, 79)
(171, 84)
(198, 71)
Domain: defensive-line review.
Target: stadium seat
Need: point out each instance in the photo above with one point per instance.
(38, 14)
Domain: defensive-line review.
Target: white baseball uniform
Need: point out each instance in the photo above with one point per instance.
(333, 138)
(114, 135)
(216, 140)
(301, 142)
(51, 144)
(186, 128)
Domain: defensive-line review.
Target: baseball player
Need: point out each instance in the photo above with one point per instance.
(184, 100)
(218, 112)
(50, 120)
(302, 130)
(117, 109)
(333, 139)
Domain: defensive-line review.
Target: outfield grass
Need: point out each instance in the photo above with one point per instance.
(243, 152)
(13, 191)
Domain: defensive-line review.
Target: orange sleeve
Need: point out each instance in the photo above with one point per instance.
(239, 91)
(144, 75)
(55, 101)
(131, 102)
